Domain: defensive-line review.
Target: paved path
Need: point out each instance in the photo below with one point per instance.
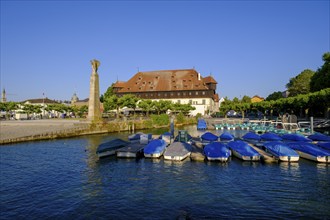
(16, 129)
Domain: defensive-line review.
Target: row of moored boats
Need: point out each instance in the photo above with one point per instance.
(251, 147)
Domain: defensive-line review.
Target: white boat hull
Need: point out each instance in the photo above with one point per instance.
(324, 159)
(246, 158)
(177, 158)
(221, 159)
(126, 154)
(156, 155)
(288, 158)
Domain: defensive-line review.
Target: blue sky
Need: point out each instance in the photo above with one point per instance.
(249, 47)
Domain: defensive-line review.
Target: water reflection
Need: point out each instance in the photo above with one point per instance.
(291, 168)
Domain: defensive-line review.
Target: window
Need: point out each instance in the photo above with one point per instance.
(190, 102)
(172, 94)
(203, 102)
(196, 93)
(179, 101)
(203, 93)
(179, 93)
(189, 93)
(158, 94)
(183, 93)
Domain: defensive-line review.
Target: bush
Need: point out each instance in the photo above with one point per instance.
(160, 120)
(180, 118)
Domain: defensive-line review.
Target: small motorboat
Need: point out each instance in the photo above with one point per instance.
(140, 137)
(217, 151)
(183, 136)
(281, 151)
(269, 136)
(177, 151)
(324, 145)
(226, 136)
(201, 124)
(131, 150)
(310, 151)
(110, 147)
(295, 137)
(319, 137)
(244, 151)
(208, 137)
(252, 138)
(155, 148)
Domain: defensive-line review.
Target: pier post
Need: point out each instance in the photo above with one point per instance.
(312, 124)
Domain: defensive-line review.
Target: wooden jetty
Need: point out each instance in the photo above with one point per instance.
(131, 150)
(197, 153)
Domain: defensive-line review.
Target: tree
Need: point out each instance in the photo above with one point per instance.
(301, 83)
(130, 101)
(8, 107)
(147, 105)
(113, 102)
(109, 92)
(162, 106)
(246, 99)
(321, 78)
(274, 96)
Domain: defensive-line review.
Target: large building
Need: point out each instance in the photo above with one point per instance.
(180, 86)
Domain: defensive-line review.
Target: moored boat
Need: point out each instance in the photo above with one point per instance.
(201, 124)
(244, 151)
(131, 150)
(217, 151)
(295, 137)
(226, 136)
(208, 137)
(252, 138)
(110, 147)
(319, 137)
(310, 151)
(281, 151)
(269, 136)
(155, 148)
(324, 145)
(177, 151)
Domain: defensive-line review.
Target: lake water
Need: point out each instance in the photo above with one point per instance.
(64, 179)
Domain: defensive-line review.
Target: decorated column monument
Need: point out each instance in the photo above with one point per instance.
(94, 113)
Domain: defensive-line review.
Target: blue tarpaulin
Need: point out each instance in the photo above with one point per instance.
(155, 146)
(226, 136)
(319, 137)
(309, 148)
(216, 149)
(280, 149)
(295, 137)
(243, 148)
(208, 136)
(269, 136)
(252, 136)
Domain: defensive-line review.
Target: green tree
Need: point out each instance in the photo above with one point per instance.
(147, 105)
(301, 83)
(109, 92)
(246, 99)
(8, 107)
(162, 106)
(113, 102)
(321, 78)
(274, 96)
(130, 101)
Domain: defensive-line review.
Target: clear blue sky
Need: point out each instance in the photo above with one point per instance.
(249, 47)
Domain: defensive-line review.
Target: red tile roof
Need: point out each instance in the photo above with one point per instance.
(163, 80)
(210, 79)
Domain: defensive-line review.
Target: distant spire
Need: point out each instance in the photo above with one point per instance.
(3, 97)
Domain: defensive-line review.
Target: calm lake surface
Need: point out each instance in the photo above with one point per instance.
(64, 179)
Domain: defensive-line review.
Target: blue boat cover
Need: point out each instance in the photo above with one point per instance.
(243, 148)
(280, 149)
(208, 136)
(216, 149)
(111, 145)
(155, 146)
(295, 137)
(309, 148)
(269, 136)
(226, 136)
(319, 137)
(201, 124)
(252, 136)
(325, 145)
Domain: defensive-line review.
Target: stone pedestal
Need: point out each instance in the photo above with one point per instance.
(94, 113)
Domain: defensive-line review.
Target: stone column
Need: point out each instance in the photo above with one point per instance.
(94, 113)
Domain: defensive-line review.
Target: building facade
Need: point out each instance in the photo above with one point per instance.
(179, 86)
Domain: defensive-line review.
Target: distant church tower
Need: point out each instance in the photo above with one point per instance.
(3, 97)
(94, 113)
(74, 99)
